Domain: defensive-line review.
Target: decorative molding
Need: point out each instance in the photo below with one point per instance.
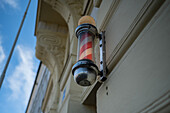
(61, 8)
(67, 7)
(97, 3)
(158, 104)
(54, 97)
(132, 26)
(40, 51)
(75, 5)
(139, 23)
(50, 46)
(108, 15)
(51, 42)
(66, 71)
(63, 103)
(52, 27)
(70, 10)
(47, 95)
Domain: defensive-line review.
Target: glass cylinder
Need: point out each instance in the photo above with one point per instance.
(85, 70)
(85, 46)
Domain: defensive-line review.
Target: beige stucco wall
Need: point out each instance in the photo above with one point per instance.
(140, 82)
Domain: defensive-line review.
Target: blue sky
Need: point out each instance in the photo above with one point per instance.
(17, 85)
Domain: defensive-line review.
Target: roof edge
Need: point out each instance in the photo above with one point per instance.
(37, 17)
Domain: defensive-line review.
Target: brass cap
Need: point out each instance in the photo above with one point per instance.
(87, 20)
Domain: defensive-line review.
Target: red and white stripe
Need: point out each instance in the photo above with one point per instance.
(86, 45)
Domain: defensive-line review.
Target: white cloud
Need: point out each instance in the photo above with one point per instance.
(2, 54)
(12, 3)
(21, 81)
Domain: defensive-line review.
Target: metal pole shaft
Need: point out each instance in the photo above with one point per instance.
(11, 52)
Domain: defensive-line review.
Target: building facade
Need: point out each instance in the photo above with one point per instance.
(38, 90)
(137, 55)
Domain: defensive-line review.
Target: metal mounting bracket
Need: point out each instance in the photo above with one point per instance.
(103, 67)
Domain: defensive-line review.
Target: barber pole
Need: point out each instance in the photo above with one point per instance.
(85, 70)
(86, 46)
